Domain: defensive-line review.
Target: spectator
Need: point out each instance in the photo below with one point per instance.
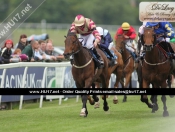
(49, 41)
(39, 56)
(17, 54)
(6, 52)
(29, 50)
(43, 49)
(22, 42)
(49, 51)
(42, 44)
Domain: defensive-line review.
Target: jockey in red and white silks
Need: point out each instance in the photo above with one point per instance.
(86, 29)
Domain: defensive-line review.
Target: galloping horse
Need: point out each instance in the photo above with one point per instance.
(84, 71)
(116, 69)
(129, 64)
(156, 67)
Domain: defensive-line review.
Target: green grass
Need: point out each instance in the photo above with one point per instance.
(57, 36)
(132, 116)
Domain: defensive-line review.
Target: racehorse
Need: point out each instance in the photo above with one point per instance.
(156, 67)
(129, 64)
(84, 71)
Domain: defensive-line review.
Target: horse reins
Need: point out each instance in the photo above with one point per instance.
(164, 53)
(76, 53)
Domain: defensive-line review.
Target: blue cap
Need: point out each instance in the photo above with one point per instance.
(152, 24)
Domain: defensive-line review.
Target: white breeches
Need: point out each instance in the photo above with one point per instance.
(110, 45)
(87, 40)
(128, 44)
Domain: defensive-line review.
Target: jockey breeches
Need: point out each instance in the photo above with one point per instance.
(128, 44)
(87, 40)
(163, 39)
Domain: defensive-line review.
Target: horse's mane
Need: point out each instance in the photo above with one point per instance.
(69, 33)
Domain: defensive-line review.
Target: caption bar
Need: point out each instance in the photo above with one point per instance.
(97, 91)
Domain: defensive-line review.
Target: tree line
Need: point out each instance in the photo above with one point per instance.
(112, 12)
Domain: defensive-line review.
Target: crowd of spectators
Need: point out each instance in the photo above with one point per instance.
(28, 51)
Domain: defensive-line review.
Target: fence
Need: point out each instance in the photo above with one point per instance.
(40, 75)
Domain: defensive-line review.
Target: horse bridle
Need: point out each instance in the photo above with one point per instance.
(76, 42)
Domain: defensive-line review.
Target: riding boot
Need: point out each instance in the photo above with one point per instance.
(134, 55)
(112, 57)
(98, 57)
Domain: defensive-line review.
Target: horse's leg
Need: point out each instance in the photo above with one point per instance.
(105, 84)
(154, 102)
(105, 104)
(144, 98)
(84, 111)
(165, 112)
(127, 81)
(119, 76)
(95, 98)
(170, 81)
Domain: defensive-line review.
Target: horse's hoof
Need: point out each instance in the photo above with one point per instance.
(92, 102)
(97, 105)
(171, 96)
(124, 100)
(106, 108)
(150, 106)
(153, 111)
(83, 112)
(165, 114)
(155, 107)
(115, 101)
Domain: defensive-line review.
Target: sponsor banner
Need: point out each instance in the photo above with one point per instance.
(68, 78)
(1, 71)
(13, 77)
(34, 77)
(157, 11)
(54, 79)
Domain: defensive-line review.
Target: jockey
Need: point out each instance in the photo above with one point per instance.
(106, 42)
(129, 35)
(86, 29)
(141, 29)
(140, 32)
(164, 32)
(161, 29)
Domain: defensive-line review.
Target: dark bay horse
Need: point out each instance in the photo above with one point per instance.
(116, 69)
(129, 64)
(156, 67)
(84, 71)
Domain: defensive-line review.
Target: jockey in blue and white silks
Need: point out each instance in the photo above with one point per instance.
(106, 42)
(162, 28)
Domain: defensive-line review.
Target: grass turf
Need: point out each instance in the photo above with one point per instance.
(132, 116)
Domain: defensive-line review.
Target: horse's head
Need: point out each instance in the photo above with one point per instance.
(72, 44)
(148, 38)
(119, 43)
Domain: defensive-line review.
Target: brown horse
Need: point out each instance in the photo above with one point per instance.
(129, 64)
(84, 71)
(116, 69)
(156, 68)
